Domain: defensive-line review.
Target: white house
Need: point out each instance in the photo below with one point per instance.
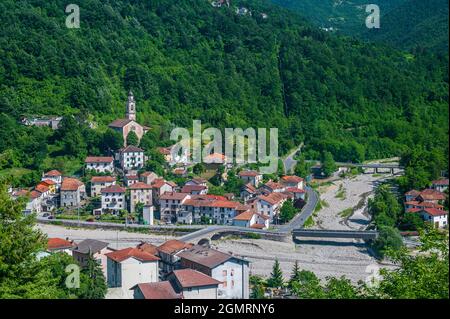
(140, 193)
(100, 164)
(53, 175)
(251, 219)
(129, 267)
(252, 177)
(270, 205)
(292, 181)
(170, 205)
(113, 199)
(440, 185)
(437, 217)
(192, 284)
(131, 157)
(72, 192)
(60, 245)
(100, 182)
(230, 271)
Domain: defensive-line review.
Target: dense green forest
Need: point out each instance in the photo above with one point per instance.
(187, 60)
(405, 24)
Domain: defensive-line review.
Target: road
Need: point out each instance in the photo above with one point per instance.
(299, 220)
(289, 162)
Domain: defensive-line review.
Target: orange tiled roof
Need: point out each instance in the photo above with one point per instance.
(124, 254)
(58, 243)
(70, 184)
(102, 179)
(192, 278)
(173, 246)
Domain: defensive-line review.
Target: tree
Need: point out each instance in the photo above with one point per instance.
(132, 139)
(423, 275)
(21, 274)
(287, 211)
(302, 168)
(93, 284)
(307, 286)
(341, 288)
(257, 284)
(295, 276)
(389, 238)
(198, 168)
(276, 277)
(112, 140)
(328, 164)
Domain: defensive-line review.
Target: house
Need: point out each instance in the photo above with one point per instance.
(131, 158)
(180, 172)
(411, 195)
(431, 195)
(232, 272)
(195, 189)
(160, 186)
(168, 252)
(129, 124)
(192, 284)
(50, 184)
(100, 182)
(155, 290)
(130, 179)
(251, 219)
(437, 217)
(52, 121)
(100, 164)
(292, 181)
(297, 193)
(270, 205)
(34, 203)
(215, 158)
(198, 207)
(147, 177)
(60, 245)
(440, 185)
(53, 175)
(248, 191)
(72, 192)
(197, 181)
(273, 187)
(129, 267)
(91, 248)
(140, 193)
(43, 189)
(252, 177)
(113, 199)
(170, 205)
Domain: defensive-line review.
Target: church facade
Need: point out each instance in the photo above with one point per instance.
(129, 124)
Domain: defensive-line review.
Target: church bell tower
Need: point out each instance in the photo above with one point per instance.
(131, 107)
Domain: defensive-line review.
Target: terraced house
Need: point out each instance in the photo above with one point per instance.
(100, 164)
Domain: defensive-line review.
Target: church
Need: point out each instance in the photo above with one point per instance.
(129, 124)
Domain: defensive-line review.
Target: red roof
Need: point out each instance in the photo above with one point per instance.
(247, 215)
(273, 198)
(258, 226)
(53, 173)
(70, 184)
(249, 173)
(192, 278)
(274, 185)
(173, 196)
(295, 190)
(413, 210)
(114, 189)
(131, 149)
(160, 182)
(148, 248)
(98, 159)
(412, 192)
(443, 182)
(124, 254)
(47, 182)
(119, 123)
(41, 188)
(58, 243)
(102, 179)
(435, 212)
(192, 188)
(158, 290)
(432, 194)
(140, 185)
(173, 246)
(292, 179)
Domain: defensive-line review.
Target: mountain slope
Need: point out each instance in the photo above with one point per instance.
(405, 24)
(187, 60)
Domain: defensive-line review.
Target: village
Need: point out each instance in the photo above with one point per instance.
(120, 190)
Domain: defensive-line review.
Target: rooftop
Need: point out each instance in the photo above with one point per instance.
(189, 278)
(98, 159)
(140, 185)
(205, 256)
(113, 189)
(70, 184)
(173, 246)
(102, 179)
(59, 243)
(136, 253)
(90, 246)
(157, 290)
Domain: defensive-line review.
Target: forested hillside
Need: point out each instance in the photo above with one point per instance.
(187, 60)
(405, 24)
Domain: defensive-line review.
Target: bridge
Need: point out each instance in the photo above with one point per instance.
(322, 233)
(377, 167)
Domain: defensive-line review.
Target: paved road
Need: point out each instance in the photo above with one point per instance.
(289, 162)
(299, 220)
